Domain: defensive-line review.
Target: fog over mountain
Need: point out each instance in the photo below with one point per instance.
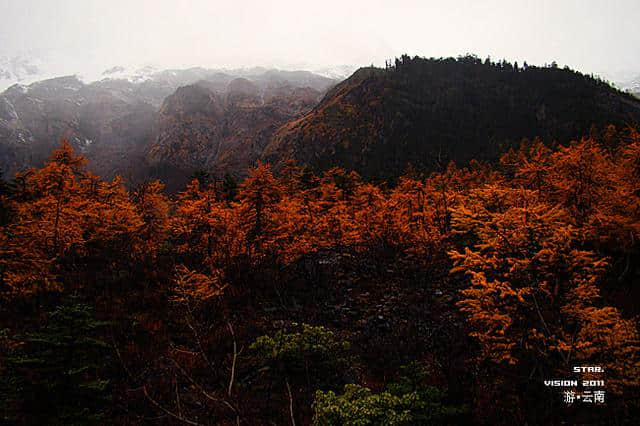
(46, 39)
(169, 88)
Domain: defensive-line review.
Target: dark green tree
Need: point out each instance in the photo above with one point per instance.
(406, 402)
(305, 351)
(6, 189)
(229, 187)
(56, 374)
(203, 177)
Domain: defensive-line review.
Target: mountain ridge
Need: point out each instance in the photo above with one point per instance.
(427, 111)
(418, 111)
(114, 121)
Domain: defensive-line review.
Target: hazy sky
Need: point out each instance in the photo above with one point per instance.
(589, 35)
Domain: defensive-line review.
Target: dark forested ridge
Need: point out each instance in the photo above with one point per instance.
(427, 111)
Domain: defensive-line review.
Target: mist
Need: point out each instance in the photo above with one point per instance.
(87, 37)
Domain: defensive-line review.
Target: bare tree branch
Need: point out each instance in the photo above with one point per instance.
(235, 357)
(172, 414)
(293, 421)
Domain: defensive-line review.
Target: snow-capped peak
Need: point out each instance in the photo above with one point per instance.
(338, 72)
(135, 75)
(19, 69)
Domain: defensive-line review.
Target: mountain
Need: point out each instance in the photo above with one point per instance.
(18, 69)
(172, 123)
(105, 122)
(260, 76)
(632, 85)
(16, 139)
(128, 118)
(428, 111)
(199, 128)
(339, 72)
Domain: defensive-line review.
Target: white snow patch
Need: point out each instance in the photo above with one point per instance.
(337, 72)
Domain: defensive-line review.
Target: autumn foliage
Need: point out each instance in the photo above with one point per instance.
(536, 243)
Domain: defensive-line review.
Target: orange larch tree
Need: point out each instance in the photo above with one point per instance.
(65, 214)
(259, 194)
(153, 207)
(206, 232)
(46, 226)
(534, 300)
(414, 222)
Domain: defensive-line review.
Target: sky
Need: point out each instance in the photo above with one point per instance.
(78, 36)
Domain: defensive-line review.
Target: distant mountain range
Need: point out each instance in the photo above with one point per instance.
(170, 124)
(29, 68)
(149, 120)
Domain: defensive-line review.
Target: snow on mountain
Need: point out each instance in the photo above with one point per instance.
(633, 85)
(339, 72)
(133, 75)
(20, 69)
(29, 67)
(627, 81)
(25, 68)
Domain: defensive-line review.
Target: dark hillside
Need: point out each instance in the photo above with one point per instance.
(425, 111)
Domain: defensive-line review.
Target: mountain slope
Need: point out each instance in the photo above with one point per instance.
(426, 111)
(199, 128)
(116, 122)
(105, 122)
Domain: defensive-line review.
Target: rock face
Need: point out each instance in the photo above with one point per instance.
(15, 149)
(165, 124)
(199, 128)
(106, 123)
(187, 127)
(426, 112)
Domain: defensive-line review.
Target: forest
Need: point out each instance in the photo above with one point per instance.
(298, 297)
(431, 110)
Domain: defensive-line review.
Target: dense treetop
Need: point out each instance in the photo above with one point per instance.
(195, 307)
